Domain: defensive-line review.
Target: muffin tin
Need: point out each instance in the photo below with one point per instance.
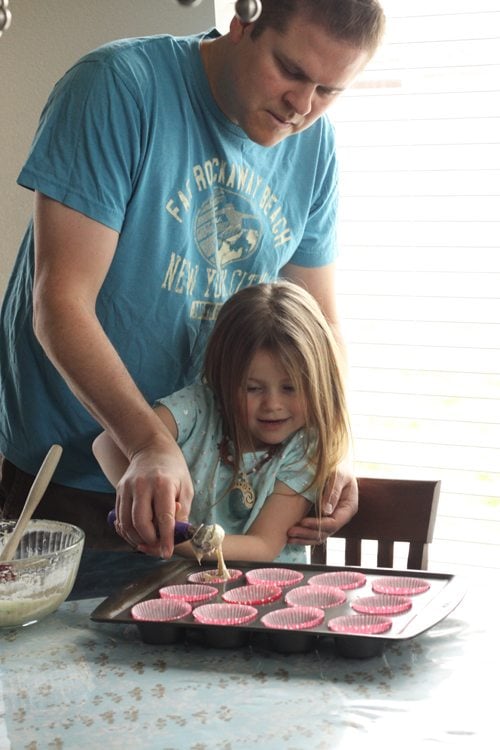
(352, 633)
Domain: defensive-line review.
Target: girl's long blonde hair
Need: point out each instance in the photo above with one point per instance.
(285, 320)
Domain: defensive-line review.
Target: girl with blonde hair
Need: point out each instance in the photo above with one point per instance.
(264, 429)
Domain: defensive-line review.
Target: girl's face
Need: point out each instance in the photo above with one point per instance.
(274, 409)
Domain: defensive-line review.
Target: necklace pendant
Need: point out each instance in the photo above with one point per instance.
(242, 493)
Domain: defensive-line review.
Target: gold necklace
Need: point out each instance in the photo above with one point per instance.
(245, 494)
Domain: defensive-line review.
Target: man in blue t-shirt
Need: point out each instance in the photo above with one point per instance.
(168, 172)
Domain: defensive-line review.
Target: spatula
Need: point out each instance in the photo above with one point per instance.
(35, 494)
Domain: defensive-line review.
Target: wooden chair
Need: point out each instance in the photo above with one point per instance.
(390, 510)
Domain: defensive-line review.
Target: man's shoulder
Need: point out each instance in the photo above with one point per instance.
(143, 66)
(136, 52)
(123, 49)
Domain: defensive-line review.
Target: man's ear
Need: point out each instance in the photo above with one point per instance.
(237, 29)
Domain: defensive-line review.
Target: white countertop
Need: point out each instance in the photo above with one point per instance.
(68, 682)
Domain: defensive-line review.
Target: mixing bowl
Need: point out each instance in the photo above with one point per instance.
(42, 573)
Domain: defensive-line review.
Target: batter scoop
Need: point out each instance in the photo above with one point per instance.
(208, 539)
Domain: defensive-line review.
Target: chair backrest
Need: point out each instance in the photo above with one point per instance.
(390, 510)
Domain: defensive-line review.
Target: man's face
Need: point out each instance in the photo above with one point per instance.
(280, 84)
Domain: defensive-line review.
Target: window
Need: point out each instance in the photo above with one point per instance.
(419, 273)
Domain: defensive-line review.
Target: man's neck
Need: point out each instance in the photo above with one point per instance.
(215, 56)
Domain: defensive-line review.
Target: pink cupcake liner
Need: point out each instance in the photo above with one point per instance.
(277, 576)
(400, 585)
(160, 610)
(322, 597)
(260, 593)
(382, 604)
(360, 624)
(189, 592)
(342, 579)
(224, 614)
(293, 618)
(210, 576)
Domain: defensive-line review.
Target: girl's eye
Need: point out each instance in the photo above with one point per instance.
(289, 388)
(253, 388)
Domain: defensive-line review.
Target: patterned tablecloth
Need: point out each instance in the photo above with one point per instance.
(68, 682)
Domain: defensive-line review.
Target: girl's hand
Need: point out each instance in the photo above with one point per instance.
(340, 504)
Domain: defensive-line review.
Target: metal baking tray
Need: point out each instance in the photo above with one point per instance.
(429, 608)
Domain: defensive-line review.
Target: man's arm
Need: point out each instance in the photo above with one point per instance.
(72, 256)
(340, 501)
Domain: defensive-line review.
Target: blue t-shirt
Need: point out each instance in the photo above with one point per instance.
(132, 137)
(200, 432)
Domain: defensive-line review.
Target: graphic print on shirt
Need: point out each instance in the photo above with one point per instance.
(233, 214)
(224, 234)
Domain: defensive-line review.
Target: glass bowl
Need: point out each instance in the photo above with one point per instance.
(43, 572)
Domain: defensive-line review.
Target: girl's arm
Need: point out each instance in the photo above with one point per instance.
(268, 534)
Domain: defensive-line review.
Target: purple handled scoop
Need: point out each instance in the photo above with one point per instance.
(204, 539)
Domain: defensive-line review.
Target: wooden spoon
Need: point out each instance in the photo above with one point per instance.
(35, 494)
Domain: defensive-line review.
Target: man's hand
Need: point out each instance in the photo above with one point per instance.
(154, 490)
(340, 504)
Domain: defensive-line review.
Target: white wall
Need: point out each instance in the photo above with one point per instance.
(44, 39)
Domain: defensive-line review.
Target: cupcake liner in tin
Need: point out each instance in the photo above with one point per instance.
(382, 604)
(400, 585)
(189, 592)
(360, 624)
(293, 618)
(278, 576)
(342, 579)
(315, 596)
(224, 614)
(211, 577)
(160, 610)
(257, 594)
